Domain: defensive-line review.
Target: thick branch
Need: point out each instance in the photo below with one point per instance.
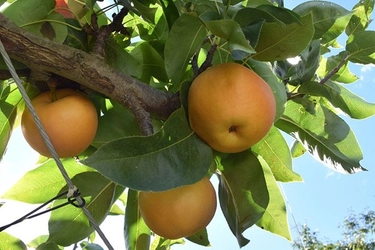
(86, 69)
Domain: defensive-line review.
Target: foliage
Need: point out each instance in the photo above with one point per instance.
(358, 230)
(163, 42)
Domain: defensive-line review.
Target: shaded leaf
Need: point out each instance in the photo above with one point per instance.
(116, 122)
(303, 68)
(118, 58)
(278, 42)
(243, 192)
(231, 32)
(275, 151)
(360, 47)
(186, 35)
(48, 246)
(8, 241)
(41, 20)
(150, 61)
(325, 135)
(69, 224)
(275, 218)
(330, 19)
(136, 232)
(341, 98)
(172, 157)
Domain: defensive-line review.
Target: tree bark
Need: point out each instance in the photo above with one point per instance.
(89, 70)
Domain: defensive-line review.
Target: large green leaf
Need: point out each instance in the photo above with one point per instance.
(49, 184)
(172, 157)
(233, 34)
(8, 241)
(243, 192)
(361, 17)
(361, 47)
(69, 224)
(275, 151)
(325, 135)
(42, 20)
(340, 97)
(278, 42)
(330, 19)
(275, 218)
(186, 35)
(136, 232)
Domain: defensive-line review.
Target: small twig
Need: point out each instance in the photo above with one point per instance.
(334, 70)
(102, 33)
(208, 62)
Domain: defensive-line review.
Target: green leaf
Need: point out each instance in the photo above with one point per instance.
(172, 157)
(275, 218)
(231, 32)
(325, 135)
(42, 20)
(69, 224)
(118, 58)
(360, 47)
(76, 37)
(160, 243)
(38, 241)
(49, 183)
(151, 23)
(116, 122)
(90, 246)
(200, 238)
(361, 17)
(243, 192)
(297, 149)
(152, 64)
(341, 98)
(10, 98)
(185, 37)
(136, 232)
(48, 246)
(278, 42)
(264, 70)
(330, 19)
(274, 150)
(344, 75)
(7, 241)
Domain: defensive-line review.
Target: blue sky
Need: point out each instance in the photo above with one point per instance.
(322, 201)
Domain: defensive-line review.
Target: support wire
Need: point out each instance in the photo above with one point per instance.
(47, 140)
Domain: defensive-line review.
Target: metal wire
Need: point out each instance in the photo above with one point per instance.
(72, 188)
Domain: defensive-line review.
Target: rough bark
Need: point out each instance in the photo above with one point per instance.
(89, 70)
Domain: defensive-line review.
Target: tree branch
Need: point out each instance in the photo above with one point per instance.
(89, 70)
